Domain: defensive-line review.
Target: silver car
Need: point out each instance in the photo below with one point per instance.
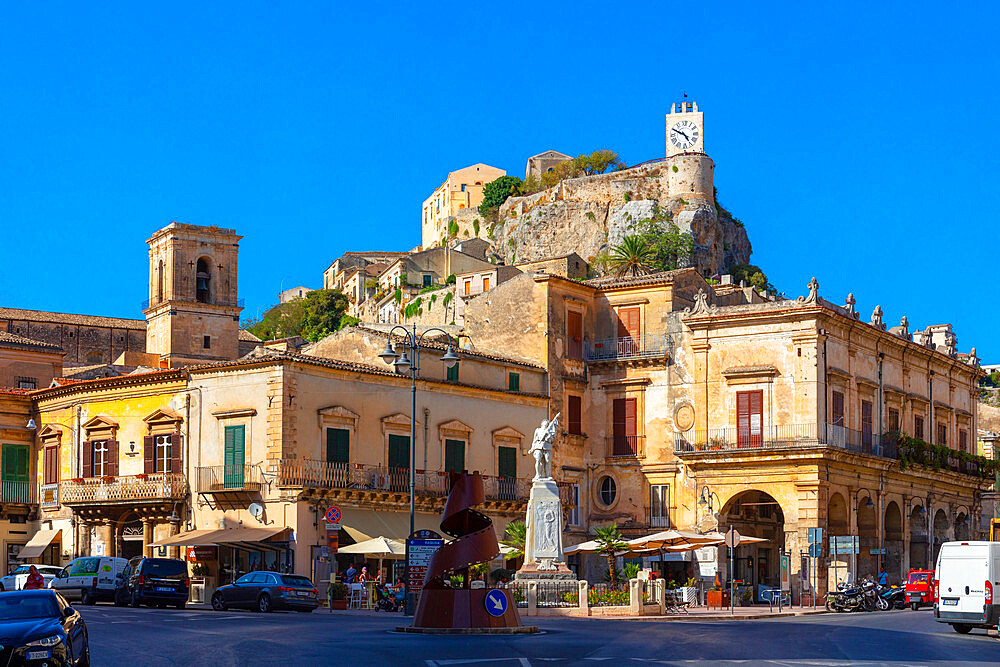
(15, 580)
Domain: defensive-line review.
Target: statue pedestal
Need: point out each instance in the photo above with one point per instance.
(543, 549)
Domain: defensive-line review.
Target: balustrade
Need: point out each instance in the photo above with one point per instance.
(123, 488)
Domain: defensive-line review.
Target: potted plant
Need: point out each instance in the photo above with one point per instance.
(337, 594)
(717, 596)
(689, 591)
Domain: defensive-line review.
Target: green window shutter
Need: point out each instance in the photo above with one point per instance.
(399, 451)
(454, 455)
(338, 445)
(14, 463)
(453, 373)
(7, 463)
(514, 382)
(506, 462)
(234, 457)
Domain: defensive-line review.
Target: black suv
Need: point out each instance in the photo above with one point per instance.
(153, 581)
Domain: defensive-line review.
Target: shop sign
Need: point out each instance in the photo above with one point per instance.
(202, 554)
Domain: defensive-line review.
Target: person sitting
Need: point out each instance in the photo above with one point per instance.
(35, 580)
(351, 575)
(363, 577)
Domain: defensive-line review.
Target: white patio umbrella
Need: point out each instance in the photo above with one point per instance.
(377, 547)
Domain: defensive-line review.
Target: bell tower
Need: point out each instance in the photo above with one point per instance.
(193, 314)
(685, 129)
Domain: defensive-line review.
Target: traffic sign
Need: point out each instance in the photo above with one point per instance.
(815, 550)
(732, 538)
(333, 515)
(877, 552)
(815, 535)
(496, 602)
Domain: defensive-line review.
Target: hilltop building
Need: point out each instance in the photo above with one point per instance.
(543, 163)
(461, 191)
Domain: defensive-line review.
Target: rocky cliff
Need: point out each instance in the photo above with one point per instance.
(590, 214)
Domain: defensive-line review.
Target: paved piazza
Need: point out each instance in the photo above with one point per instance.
(195, 637)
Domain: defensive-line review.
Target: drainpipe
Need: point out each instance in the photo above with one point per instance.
(427, 416)
(930, 397)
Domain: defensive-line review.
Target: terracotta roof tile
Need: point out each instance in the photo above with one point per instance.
(12, 340)
(649, 279)
(435, 345)
(70, 318)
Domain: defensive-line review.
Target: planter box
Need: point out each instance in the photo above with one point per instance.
(717, 599)
(338, 604)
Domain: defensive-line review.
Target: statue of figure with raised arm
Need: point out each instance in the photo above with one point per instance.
(541, 447)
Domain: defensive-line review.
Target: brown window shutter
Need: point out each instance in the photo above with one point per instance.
(148, 449)
(112, 458)
(88, 459)
(175, 453)
(619, 418)
(630, 426)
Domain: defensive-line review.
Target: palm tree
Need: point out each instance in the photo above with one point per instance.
(610, 542)
(632, 257)
(514, 536)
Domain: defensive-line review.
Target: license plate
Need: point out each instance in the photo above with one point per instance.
(164, 589)
(303, 593)
(39, 655)
(950, 603)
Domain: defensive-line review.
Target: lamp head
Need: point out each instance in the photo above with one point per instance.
(31, 424)
(388, 354)
(869, 503)
(402, 364)
(450, 358)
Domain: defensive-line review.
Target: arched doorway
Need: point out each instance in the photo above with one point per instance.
(836, 518)
(941, 531)
(962, 526)
(893, 544)
(130, 538)
(867, 538)
(918, 539)
(755, 514)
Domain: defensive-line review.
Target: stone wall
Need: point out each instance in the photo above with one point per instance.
(83, 343)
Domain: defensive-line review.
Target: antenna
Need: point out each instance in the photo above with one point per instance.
(256, 510)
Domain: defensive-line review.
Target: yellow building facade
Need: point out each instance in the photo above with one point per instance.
(463, 189)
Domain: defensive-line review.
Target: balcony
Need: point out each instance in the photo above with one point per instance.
(649, 346)
(123, 489)
(17, 492)
(626, 446)
(243, 478)
(786, 435)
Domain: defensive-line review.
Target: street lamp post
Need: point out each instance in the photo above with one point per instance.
(401, 364)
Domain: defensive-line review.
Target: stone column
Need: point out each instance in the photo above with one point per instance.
(147, 536)
(634, 597)
(108, 535)
(584, 598)
(905, 560)
(532, 598)
(174, 552)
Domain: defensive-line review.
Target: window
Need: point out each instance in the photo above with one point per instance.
(866, 423)
(468, 287)
(463, 187)
(399, 451)
(624, 439)
(159, 282)
(100, 460)
(486, 283)
(513, 381)
(574, 415)
(206, 342)
(607, 491)
(27, 383)
(202, 281)
(453, 372)
(574, 332)
(14, 474)
(963, 440)
(893, 419)
(338, 445)
(749, 418)
(918, 427)
(628, 331)
(427, 280)
(942, 434)
(234, 456)
(454, 455)
(837, 409)
(574, 511)
(659, 505)
(161, 462)
(94, 357)
(51, 474)
(507, 462)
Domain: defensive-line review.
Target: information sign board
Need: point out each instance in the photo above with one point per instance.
(420, 547)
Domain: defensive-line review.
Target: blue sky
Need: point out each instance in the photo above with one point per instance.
(857, 141)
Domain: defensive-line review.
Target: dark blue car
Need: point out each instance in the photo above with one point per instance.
(154, 582)
(40, 628)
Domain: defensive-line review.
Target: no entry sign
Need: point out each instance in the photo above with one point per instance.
(333, 515)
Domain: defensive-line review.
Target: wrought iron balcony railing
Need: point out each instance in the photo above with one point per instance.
(17, 492)
(624, 446)
(783, 435)
(630, 347)
(124, 488)
(218, 479)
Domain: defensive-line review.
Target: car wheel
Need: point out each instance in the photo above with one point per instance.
(217, 603)
(179, 605)
(119, 599)
(87, 597)
(264, 603)
(84, 660)
(962, 628)
(915, 606)
(135, 601)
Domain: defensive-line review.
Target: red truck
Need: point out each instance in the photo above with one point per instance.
(919, 588)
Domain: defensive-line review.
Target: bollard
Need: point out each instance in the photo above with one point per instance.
(634, 597)
(584, 597)
(661, 595)
(532, 598)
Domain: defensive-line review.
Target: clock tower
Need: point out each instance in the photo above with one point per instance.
(685, 129)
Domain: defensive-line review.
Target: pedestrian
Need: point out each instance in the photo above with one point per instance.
(351, 574)
(35, 580)
(363, 577)
(883, 578)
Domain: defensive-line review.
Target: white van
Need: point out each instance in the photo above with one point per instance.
(966, 575)
(90, 578)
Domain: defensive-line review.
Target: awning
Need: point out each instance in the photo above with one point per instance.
(37, 544)
(364, 525)
(230, 536)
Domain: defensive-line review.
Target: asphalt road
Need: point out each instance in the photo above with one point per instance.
(124, 636)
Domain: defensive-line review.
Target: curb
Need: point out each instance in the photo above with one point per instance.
(687, 618)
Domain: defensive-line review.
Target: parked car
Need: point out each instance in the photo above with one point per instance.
(39, 627)
(266, 591)
(154, 581)
(963, 585)
(15, 580)
(90, 578)
(918, 588)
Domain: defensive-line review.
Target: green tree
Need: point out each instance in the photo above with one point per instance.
(610, 542)
(598, 162)
(752, 275)
(495, 193)
(313, 316)
(631, 257)
(667, 242)
(515, 535)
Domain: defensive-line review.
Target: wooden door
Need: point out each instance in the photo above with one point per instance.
(749, 418)
(624, 440)
(628, 331)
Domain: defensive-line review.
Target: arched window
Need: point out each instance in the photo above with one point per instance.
(159, 282)
(203, 281)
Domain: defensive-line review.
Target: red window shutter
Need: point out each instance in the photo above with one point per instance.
(838, 409)
(749, 418)
(88, 459)
(630, 426)
(175, 453)
(574, 330)
(148, 449)
(575, 416)
(619, 418)
(112, 458)
(628, 322)
(742, 414)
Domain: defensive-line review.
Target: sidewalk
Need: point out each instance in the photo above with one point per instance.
(738, 614)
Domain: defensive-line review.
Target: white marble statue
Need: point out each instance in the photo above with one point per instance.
(541, 447)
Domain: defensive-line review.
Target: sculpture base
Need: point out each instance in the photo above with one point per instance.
(530, 572)
(519, 630)
(455, 609)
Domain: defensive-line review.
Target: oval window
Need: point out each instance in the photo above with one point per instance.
(608, 491)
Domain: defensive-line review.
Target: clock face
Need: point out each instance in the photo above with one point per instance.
(684, 134)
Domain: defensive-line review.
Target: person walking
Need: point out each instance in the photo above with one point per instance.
(883, 578)
(35, 580)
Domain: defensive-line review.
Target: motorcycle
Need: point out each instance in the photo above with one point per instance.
(890, 597)
(849, 599)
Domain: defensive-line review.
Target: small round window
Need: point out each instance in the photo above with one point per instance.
(608, 491)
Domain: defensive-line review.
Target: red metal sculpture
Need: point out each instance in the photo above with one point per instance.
(475, 541)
